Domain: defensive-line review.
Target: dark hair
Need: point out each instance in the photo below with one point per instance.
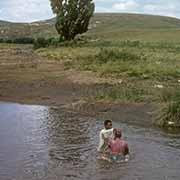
(107, 121)
(117, 133)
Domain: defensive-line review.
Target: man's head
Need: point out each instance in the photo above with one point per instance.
(108, 124)
(117, 133)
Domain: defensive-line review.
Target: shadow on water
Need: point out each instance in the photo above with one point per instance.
(47, 143)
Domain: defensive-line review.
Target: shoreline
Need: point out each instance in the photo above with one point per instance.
(31, 79)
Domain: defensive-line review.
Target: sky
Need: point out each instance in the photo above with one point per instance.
(34, 10)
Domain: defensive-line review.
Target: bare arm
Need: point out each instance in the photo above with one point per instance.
(101, 141)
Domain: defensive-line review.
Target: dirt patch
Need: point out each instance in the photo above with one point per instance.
(136, 114)
(27, 78)
(86, 77)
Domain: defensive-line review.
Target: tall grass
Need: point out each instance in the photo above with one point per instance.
(141, 66)
(130, 62)
(109, 55)
(169, 114)
(124, 58)
(122, 93)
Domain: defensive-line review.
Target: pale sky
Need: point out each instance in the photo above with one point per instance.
(33, 10)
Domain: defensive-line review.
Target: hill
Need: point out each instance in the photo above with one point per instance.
(35, 29)
(106, 25)
(137, 21)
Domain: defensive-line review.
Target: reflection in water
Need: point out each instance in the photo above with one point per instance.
(55, 144)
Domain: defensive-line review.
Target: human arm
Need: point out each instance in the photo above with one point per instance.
(101, 141)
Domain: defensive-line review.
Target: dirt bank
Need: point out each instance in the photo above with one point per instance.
(27, 78)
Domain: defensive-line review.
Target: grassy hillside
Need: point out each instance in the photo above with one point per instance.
(105, 25)
(140, 54)
(134, 21)
(37, 29)
(135, 27)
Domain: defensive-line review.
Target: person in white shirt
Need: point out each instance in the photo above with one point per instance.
(104, 136)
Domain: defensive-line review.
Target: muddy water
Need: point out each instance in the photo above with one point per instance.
(39, 142)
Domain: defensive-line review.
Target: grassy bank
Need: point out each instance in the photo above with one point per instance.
(144, 68)
(140, 53)
(145, 71)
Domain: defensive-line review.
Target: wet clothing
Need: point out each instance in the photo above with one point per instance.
(118, 157)
(104, 135)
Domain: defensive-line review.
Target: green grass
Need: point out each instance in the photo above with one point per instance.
(169, 114)
(140, 51)
(149, 72)
(116, 26)
(145, 28)
(145, 61)
(12, 46)
(123, 93)
(146, 70)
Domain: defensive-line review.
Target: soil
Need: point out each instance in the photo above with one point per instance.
(27, 78)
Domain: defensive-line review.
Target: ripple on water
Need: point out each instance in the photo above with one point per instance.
(39, 142)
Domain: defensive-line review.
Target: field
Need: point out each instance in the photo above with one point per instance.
(145, 69)
(136, 57)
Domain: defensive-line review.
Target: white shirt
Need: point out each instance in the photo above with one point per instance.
(104, 133)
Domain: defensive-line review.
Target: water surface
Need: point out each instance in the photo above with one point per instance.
(46, 143)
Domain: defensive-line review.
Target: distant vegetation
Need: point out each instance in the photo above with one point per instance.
(141, 52)
(104, 25)
(72, 17)
(20, 40)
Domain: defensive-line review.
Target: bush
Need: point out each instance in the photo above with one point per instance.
(24, 40)
(1, 40)
(20, 40)
(40, 42)
(8, 41)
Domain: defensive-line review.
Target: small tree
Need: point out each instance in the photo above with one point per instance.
(72, 16)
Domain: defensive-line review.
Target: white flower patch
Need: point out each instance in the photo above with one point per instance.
(170, 123)
(160, 86)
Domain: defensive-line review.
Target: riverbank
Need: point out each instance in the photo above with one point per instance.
(29, 78)
(26, 77)
(135, 72)
(61, 77)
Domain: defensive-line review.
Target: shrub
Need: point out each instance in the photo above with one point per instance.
(8, 41)
(23, 40)
(20, 40)
(1, 40)
(40, 42)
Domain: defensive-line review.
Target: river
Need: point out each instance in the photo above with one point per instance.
(45, 143)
